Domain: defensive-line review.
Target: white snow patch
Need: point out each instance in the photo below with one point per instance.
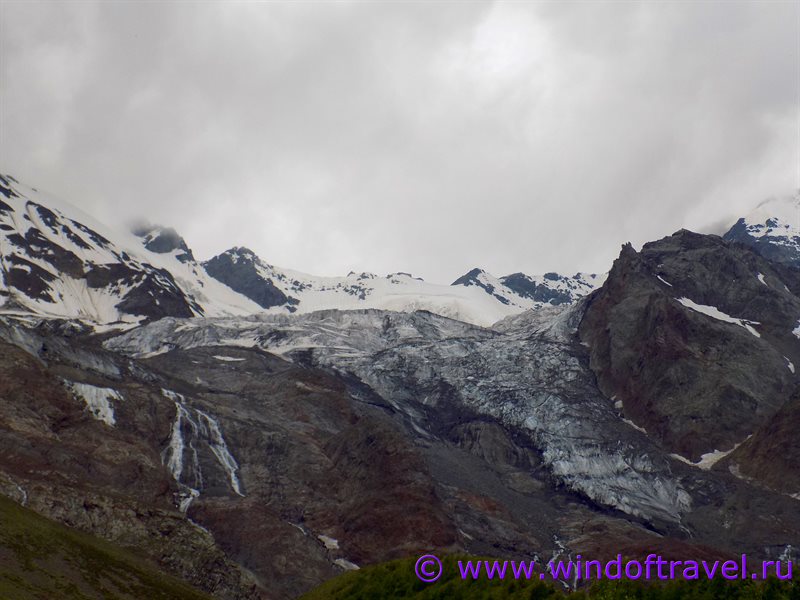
(796, 330)
(97, 399)
(483, 300)
(330, 543)
(23, 494)
(717, 314)
(634, 425)
(228, 358)
(346, 564)
(300, 527)
(119, 326)
(683, 459)
(761, 278)
(786, 555)
(789, 364)
(187, 498)
(709, 459)
(402, 293)
(777, 218)
(662, 280)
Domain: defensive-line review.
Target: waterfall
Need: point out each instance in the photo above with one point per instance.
(193, 431)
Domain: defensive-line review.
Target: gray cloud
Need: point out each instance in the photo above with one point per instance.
(430, 137)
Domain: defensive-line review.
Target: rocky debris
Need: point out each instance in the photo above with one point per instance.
(313, 462)
(386, 433)
(434, 371)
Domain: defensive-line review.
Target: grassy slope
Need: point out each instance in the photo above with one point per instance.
(41, 559)
(397, 580)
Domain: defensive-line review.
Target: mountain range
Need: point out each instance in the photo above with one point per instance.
(255, 431)
(59, 262)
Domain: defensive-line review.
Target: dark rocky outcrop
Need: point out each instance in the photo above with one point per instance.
(237, 268)
(527, 288)
(162, 240)
(474, 278)
(550, 288)
(694, 382)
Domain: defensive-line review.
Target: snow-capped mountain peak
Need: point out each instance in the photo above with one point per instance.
(773, 227)
(477, 297)
(535, 291)
(777, 216)
(55, 261)
(163, 240)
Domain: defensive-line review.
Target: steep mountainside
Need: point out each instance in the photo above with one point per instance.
(695, 338)
(60, 562)
(56, 261)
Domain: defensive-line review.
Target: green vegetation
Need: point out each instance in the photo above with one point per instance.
(396, 579)
(41, 559)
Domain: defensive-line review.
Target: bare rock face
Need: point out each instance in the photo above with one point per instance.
(64, 462)
(327, 483)
(771, 456)
(163, 240)
(693, 336)
(236, 268)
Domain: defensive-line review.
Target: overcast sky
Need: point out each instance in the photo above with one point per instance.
(428, 137)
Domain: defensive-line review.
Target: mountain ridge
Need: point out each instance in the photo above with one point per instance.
(58, 262)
